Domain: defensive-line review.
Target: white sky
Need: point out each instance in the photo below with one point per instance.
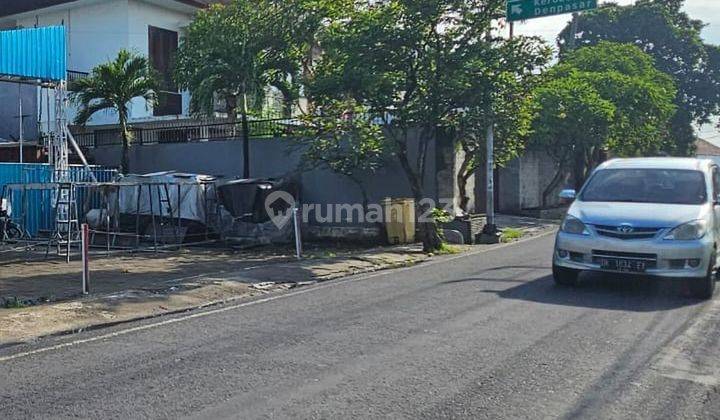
(706, 10)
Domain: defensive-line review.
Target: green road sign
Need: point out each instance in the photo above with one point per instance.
(530, 9)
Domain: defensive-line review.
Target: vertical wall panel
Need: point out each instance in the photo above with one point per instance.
(38, 53)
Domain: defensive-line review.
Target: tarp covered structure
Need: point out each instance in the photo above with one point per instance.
(245, 199)
(162, 194)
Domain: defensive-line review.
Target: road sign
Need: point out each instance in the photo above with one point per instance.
(530, 9)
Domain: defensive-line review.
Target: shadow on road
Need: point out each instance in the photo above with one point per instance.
(612, 292)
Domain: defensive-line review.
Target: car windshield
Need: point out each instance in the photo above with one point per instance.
(664, 186)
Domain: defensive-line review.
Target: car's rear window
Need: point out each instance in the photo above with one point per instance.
(663, 186)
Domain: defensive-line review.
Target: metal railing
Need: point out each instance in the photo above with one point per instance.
(76, 75)
(286, 127)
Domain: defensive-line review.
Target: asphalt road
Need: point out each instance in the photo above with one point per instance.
(473, 336)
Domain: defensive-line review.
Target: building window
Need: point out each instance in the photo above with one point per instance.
(162, 45)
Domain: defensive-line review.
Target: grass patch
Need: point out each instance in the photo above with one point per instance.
(13, 303)
(511, 234)
(447, 249)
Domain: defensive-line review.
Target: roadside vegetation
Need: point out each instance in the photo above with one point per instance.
(365, 78)
(13, 303)
(511, 234)
(606, 99)
(111, 87)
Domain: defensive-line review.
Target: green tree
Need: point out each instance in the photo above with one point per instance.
(236, 51)
(639, 97)
(112, 86)
(661, 29)
(642, 95)
(399, 60)
(494, 88)
(304, 19)
(572, 126)
(345, 142)
(229, 53)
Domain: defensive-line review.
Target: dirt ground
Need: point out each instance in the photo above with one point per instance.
(26, 275)
(42, 297)
(38, 280)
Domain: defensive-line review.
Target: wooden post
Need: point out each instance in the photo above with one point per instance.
(298, 233)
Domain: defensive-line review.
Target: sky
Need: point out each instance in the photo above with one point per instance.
(706, 10)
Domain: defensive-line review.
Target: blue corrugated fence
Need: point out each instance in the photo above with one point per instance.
(37, 53)
(34, 209)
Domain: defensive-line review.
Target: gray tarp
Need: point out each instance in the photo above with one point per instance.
(157, 189)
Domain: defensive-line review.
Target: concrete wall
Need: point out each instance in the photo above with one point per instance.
(449, 158)
(10, 94)
(523, 180)
(271, 158)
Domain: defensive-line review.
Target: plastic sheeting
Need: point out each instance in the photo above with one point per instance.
(161, 194)
(246, 198)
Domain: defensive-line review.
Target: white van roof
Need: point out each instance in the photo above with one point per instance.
(657, 163)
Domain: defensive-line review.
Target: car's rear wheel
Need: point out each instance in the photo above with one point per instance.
(565, 276)
(704, 288)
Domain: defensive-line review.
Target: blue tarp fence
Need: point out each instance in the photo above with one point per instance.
(33, 209)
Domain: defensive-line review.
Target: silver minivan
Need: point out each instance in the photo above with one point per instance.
(648, 216)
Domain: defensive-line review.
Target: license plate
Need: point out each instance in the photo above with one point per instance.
(618, 264)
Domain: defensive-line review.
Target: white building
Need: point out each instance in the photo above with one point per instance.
(98, 29)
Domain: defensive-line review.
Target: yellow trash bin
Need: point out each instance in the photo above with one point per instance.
(399, 214)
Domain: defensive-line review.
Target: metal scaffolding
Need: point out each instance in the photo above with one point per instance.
(135, 216)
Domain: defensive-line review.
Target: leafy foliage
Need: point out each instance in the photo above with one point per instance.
(642, 95)
(661, 29)
(572, 125)
(233, 52)
(236, 51)
(406, 62)
(600, 99)
(112, 86)
(345, 142)
(494, 89)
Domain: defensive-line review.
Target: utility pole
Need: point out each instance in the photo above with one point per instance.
(21, 132)
(490, 234)
(245, 139)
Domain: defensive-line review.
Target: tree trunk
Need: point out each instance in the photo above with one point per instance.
(553, 184)
(231, 108)
(125, 157)
(579, 169)
(363, 192)
(287, 104)
(464, 173)
(462, 189)
(428, 228)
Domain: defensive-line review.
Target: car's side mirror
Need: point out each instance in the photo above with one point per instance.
(568, 195)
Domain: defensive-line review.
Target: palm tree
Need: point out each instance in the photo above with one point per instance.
(112, 86)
